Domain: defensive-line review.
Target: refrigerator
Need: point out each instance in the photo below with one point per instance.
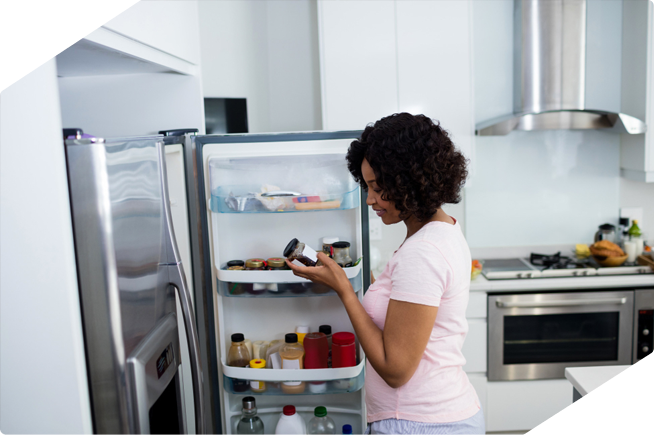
(135, 294)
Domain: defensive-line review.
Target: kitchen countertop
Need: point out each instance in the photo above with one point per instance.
(602, 388)
(481, 284)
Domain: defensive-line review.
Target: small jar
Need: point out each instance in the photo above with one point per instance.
(327, 245)
(276, 263)
(258, 386)
(300, 254)
(343, 350)
(342, 254)
(255, 264)
(235, 288)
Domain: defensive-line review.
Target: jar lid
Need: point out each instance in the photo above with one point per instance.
(320, 411)
(290, 247)
(339, 245)
(325, 329)
(343, 338)
(606, 227)
(255, 262)
(249, 403)
(257, 363)
(232, 263)
(291, 338)
(276, 262)
(330, 240)
(237, 338)
(289, 410)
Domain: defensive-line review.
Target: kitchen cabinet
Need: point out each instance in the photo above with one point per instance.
(637, 89)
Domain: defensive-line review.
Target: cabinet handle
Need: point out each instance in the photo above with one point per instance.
(560, 303)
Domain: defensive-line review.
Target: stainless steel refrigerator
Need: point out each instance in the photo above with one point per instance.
(130, 273)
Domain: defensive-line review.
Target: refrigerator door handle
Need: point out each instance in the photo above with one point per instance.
(193, 343)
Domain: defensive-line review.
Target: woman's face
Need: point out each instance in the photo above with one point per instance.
(384, 209)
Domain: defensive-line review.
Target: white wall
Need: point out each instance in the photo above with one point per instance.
(266, 52)
(42, 366)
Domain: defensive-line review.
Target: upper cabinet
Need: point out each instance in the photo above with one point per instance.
(637, 88)
(379, 58)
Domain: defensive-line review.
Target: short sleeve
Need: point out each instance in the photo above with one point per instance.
(420, 275)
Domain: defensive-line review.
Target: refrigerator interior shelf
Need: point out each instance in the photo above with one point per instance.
(274, 276)
(335, 386)
(247, 199)
(279, 290)
(271, 415)
(277, 375)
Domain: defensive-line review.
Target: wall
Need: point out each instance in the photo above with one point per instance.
(266, 52)
(549, 187)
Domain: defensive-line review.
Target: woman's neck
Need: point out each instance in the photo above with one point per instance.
(413, 224)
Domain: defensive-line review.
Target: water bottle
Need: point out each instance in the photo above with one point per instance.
(321, 423)
(250, 423)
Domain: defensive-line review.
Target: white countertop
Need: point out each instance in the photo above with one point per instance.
(481, 284)
(602, 388)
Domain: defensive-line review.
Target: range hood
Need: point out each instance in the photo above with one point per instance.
(549, 73)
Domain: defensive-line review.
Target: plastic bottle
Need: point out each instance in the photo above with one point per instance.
(238, 356)
(257, 386)
(301, 331)
(634, 232)
(321, 423)
(290, 422)
(273, 354)
(292, 354)
(347, 429)
(250, 423)
(343, 350)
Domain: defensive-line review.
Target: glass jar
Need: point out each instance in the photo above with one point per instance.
(235, 288)
(327, 245)
(342, 254)
(255, 264)
(238, 356)
(300, 254)
(276, 263)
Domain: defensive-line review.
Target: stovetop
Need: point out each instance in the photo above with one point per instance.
(553, 266)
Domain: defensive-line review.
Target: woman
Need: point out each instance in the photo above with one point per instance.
(412, 323)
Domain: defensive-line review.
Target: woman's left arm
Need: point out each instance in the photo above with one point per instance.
(394, 352)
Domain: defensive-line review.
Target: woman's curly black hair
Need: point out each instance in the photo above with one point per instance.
(415, 164)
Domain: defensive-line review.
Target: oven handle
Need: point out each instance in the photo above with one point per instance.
(560, 303)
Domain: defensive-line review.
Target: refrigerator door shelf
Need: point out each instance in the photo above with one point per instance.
(240, 199)
(271, 415)
(335, 386)
(274, 276)
(279, 290)
(277, 375)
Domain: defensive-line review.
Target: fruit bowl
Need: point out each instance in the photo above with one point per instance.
(610, 261)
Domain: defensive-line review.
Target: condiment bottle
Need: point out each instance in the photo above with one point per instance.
(273, 354)
(290, 422)
(316, 351)
(327, 330)
(301, 331)
(259, 349)
(343, 350)
(248, 344)
(292, 354)
(249, 423)
(327, 245)
(238, 356)
(258, 386)
(300, 254)
(342, 254)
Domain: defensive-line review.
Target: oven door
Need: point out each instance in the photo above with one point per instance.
(536, 336)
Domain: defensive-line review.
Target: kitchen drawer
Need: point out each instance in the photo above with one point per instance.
(477, 307)
(475, 346)
(523, 405)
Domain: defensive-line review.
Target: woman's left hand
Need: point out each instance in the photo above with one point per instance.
(330, 274)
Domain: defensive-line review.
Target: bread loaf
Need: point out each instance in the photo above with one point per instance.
(605, 248)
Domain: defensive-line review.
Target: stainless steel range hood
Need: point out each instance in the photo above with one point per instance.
(549, 73)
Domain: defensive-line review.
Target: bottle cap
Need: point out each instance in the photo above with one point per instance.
(291, 338)
(290, 247)
(347, 429)
(232, 263)
(325, 329)
(339, 245)
(237, 338)
(343, 338)
(276, 262)
(330, 240)
(635, 222)
(255, 262)
(257, 363)
(302, 329)
(249, 403)
(320, 411)
(289, 410)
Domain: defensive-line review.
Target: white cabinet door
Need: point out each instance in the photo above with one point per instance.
(479, 382)
(475, 346)
(357, 42)
(434, 66)
(169, 26)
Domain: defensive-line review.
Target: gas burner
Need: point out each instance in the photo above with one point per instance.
(555, 261)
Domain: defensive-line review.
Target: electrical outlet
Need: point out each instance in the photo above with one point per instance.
(375, 229)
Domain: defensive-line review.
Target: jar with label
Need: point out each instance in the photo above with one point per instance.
(342, 254)
(300, 254)
(255, 264)
(276, 263)
(257, 386)
(327, 245)
(235, 288)
(292, 354)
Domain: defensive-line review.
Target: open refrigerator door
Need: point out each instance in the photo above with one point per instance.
(259, 193)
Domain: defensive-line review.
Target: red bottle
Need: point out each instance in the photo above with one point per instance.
(316, 350)
(343, 350)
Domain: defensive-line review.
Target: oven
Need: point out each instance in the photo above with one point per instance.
(538, 335)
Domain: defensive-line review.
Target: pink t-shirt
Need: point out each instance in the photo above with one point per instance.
(433, 267)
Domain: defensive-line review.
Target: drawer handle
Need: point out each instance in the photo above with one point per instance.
(561, 303)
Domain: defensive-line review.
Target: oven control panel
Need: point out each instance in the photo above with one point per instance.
(644, 333)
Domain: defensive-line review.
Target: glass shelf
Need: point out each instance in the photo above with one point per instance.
(277, 283)
(247, 199)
